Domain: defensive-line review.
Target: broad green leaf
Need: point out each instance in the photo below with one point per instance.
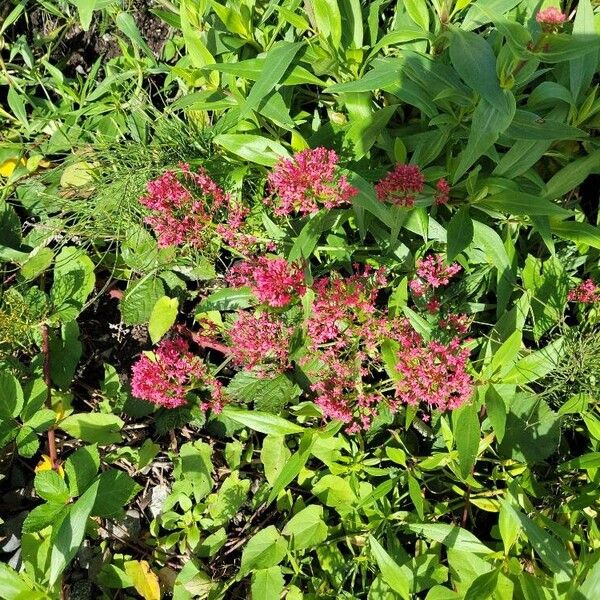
(589, 588)
(195, 465)
(570, 176)
(391, 572)
(582, 68)
(267, 584)
(81, 469)
(483, 586)
(529, 126)
(532, 430)
(70, 533)
(475, 62)
(418, 12)
(277, 61)
(460, 233)
(580, 233)
(476, 17)
(41, 517)
(267, 394)
(196, 48)
(11, 395)
(363, 133)
(520, 203)
(562, 47)
(227, 299)
(254, 148)
(95, 428)
(535, 365)
(85, 8)
(466, 434)
(74, 280)
(576, 404)
(509, 526)
(264, 550)
(451, 536)
(162, 317)
(306, 529)
(126, 23)
(591, 460)
(50, 486)
(334, 491)
(274, 456)
(262, 422)
(496, 411)
(139, 299)
(552, 552)
(327, 20)
(115, 490)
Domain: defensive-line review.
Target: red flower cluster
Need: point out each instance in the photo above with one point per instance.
(308, 182)
(434, 373)
(401, 186)
(260, 341)
(432, 273)
(586, 292)
(188, 208)
(273, 281)
(442, 192)
(550, 18)
(165, 377)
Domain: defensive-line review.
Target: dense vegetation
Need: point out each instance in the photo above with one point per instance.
(298, 299)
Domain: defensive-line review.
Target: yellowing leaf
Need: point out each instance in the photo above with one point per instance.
(8, 166)
(77, 175)
(45, 464)
(144, 580)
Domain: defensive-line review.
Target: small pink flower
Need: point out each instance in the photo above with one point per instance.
(273, 281)
(308, 182)
(166, 378)
(550, 16)
(433, 270)
(442, 194)
(260, 340)
(586, 292)
(401, 186)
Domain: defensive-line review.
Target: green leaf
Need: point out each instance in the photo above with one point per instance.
(334, 491)
(265, 549)
(460, 233)
(12, 586)
(70, 533)
(466, 434)
(535, 365)
(74, 281)
(274, 455)
(589, 588)
(139, 299)
(39, 260)
(363, 132)
(41, 517)
(496, 411)
(269, 395)
(561, 47)
(81, 469)
(549, 549)
(95, 428)
(50, 486)
(254, 148)
(520, 203)
(126, 23)
(583, 68)
(195, 465)
(487, 124)
(162, 317)
(196, 48)
(11, 394)
(327, 20)
(474, 60)
(580, 233)
(85, 8)
(65, 352)
(451, 536)
(391, 572)
(591, 460)
(529, 126)
(227, 299)
(532, 430)
(267, 584)
(573, 174)
(306, 528)
(483, 586)
(262, 422)
(115, 490)
(277, 62)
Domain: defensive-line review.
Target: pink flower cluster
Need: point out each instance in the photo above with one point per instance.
(551, 17)
(586, 292)
(188, 208)
(442, 192)
(308, 182)
(274, 281)
(260, 340)
(432, 273)
(401, 186)
(165, 377)
(434, 373)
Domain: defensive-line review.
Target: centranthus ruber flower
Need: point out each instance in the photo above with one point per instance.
(432, 273)
(182, 205)
(586, 292)
(434, 373)
(550, 17)
(274, 281)
(308, 182)
(165, 376)
(442, 192)
(260, 341)
(401, 186)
